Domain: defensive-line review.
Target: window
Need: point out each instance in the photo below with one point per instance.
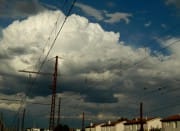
(167, 124)
(131, 127)
(175, 124)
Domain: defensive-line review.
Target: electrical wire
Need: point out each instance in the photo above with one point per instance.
(52, 45)
(141, 61)
(58, 33)
(165, 107)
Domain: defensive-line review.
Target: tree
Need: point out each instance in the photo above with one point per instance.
(61, 128)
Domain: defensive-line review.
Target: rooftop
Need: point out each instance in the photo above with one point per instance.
(138, 121)
(172, 118)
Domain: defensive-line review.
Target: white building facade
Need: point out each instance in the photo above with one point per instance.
(171, 123)
(108, 127)
(36, 129)
(119, 125)
(149, 124)
(94, 127)
(114, 126)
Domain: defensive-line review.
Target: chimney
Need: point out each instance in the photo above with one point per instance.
(91, 124)
(109, 122)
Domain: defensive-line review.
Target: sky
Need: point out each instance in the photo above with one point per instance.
(113, 54)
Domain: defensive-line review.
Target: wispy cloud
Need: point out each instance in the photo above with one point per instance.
(111, 4)
(148, 24)
(173, 2)
(104, 15)
(90, 11)
(164, 26)
(117, 17)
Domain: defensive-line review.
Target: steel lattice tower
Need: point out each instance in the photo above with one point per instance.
(53, 99)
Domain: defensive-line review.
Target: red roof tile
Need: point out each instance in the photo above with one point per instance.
(137, 121)
(112, 123)
(172, 118)
(94, 125)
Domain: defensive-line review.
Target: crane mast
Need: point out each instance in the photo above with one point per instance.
(53, 98)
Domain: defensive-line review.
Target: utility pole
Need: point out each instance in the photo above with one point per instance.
(1, 122)
(22, 123)
(18, 123)
(83, 122)
(59, 111)
(141, 117)
(53, 99)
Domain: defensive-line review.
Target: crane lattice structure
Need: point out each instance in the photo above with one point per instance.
(53, 98)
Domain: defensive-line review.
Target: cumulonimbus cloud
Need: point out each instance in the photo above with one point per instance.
(94, 60)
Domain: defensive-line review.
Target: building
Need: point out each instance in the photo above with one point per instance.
(171, 123)
(149, 124)
(36, 129)
(94, 127)
(108, 126)
(114, 126)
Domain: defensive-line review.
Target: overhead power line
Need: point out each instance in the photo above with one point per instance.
(51, 47)
(164, 107)
(53, 43)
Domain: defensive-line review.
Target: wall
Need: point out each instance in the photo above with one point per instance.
(171, 126)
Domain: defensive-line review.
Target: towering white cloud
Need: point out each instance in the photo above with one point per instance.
(98, 67)
(87, 49)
